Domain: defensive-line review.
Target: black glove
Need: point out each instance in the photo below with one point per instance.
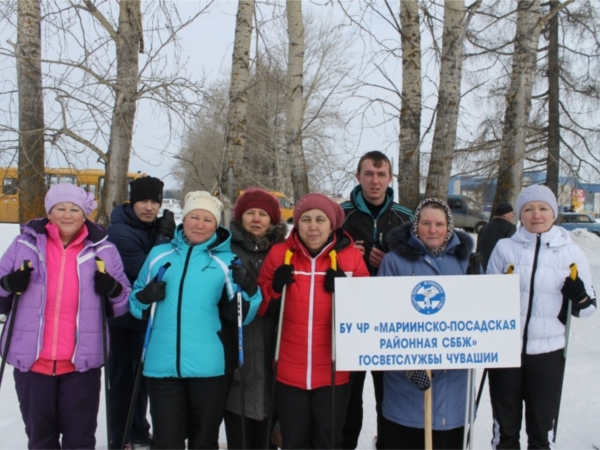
(330, 277)
(574, 290)
(243, 279)
(165, 226)
(283, 275)
(419, 378)
(104, 284)
(155, 291)
(17, 281)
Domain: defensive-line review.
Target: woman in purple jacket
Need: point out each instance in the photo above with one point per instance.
(56, 344)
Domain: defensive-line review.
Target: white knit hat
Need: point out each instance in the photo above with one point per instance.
(203, 200)
(537, 193)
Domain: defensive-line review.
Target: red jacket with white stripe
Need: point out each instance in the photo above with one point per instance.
(305, 352)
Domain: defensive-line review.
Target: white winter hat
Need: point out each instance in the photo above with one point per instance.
(203, 200)
(537, 193)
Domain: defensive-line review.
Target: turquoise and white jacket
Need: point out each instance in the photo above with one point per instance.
(194, 333)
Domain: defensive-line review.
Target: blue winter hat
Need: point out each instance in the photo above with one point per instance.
(537, 193)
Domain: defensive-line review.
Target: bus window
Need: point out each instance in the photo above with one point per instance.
(68, 179)
(9, 186)
(51, 180)
(90, 188)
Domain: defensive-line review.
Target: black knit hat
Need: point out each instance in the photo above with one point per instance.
(146, 188)
(503, 208)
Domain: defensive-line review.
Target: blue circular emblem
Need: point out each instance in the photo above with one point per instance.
(428, 297)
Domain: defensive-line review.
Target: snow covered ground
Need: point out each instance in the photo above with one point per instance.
(580, 409)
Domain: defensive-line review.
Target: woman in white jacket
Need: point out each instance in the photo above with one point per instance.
(542, 255)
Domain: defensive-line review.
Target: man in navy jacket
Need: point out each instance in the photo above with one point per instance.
(134, 229)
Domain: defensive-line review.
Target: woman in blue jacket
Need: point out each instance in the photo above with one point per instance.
(192, 350)
(428, 246)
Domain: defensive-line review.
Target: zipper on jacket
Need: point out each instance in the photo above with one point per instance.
(54, 369)
(58, 303)
(179, 309)
(531, 292)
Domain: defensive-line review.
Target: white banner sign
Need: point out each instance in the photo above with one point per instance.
(441, 322)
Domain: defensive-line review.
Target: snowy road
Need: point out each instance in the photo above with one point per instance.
(579, 426)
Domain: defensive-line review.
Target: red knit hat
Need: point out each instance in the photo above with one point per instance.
(332, 210)
(257, 198)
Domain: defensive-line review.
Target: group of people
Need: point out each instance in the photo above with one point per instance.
(188, 279)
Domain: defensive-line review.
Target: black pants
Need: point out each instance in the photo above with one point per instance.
(538, 383)
(354, 413)
(400, 437)
(187, 408)
(125, 350)
(305, 416)
(257, 432)
(59, 411)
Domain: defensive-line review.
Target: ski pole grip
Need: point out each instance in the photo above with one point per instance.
(333, 258)
(100, 264)
(238, 261)
(161, 271)
(573, 268)
(288, 257)
(26, 264)
(510, 269)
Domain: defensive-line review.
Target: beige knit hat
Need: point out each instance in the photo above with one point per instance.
(203, 200)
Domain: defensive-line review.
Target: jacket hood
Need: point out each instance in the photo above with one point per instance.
(356, 196)
(219, 242)
(274, 235)
(554, 237)
(96, 232)
(124, 214)
(402, 242)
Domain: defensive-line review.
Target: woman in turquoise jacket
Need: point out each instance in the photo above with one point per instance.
(192, 350)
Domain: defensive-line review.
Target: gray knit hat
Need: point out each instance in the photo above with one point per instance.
(537, 193)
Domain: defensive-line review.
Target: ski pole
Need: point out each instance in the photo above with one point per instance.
(138, 374)
(286, 260)
(102, 268)
(573, 275)
(333, 258)
(240, 324)
(11, 324)
(428, 424)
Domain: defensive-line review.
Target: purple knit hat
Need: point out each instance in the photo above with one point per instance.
(332, 210)
(60, 193)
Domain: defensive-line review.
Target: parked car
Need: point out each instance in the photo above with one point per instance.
(467, 214)
(573, 220)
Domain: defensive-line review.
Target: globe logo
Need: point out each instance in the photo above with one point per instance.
(428, 297)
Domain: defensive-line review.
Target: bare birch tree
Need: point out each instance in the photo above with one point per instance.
(295, 99)
(553, 159)
(238, 102)
(31, 111)
(456, 23)
(409, 175)
(129, 42)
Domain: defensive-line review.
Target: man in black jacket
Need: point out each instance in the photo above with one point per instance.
(499, 227)
(135, 228)
(370, 214)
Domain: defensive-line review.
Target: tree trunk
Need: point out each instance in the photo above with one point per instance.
(518, 102)
(128, 43)
(444, 135)
(295, 101)
(410, 114)
(238, 103)
(32, 188)
(553, 160)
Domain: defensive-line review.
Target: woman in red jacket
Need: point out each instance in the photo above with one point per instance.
(304, 382)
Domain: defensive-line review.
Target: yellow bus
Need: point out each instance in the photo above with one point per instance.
(91, 180)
